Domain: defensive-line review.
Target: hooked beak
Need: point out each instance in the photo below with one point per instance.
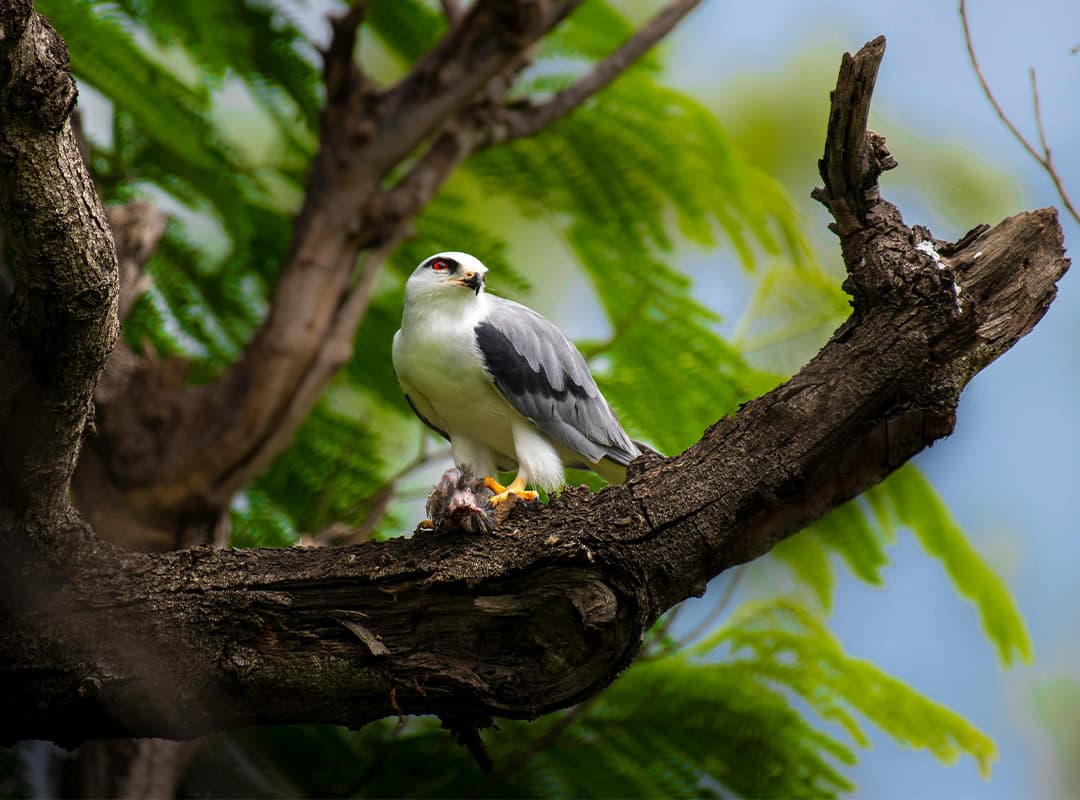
(471, 280)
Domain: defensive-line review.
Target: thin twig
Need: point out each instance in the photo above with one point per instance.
(542, 743)
(620, 327)
(533, 118)
(378, 502)
(1038, 114)
(1043, 159)
(654, 646)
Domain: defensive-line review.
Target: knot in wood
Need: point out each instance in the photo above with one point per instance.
(596, 603)
(90, 687)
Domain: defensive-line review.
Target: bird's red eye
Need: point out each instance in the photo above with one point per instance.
(439, 266)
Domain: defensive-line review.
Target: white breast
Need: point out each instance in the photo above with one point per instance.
(442, 371)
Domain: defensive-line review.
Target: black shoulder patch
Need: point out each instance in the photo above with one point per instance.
(511, 371)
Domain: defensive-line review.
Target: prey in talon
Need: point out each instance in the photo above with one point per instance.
(502, 384)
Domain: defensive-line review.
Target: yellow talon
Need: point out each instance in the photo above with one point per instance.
(504, 493)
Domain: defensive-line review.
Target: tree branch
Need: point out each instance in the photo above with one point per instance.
(853, 159)
(452, 11)
(60, 322)
(517, 123)
(137, 227)
(492, 35)
(550, 608)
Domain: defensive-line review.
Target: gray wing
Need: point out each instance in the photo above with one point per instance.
(544, 377)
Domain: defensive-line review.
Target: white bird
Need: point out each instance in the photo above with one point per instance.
(503, 384)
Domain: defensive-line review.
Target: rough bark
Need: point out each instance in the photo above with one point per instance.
(60, 321)
(547, 610)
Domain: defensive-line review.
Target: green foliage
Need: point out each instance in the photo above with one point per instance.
(407, 27)
(329, 474)
(908, 500)
(679, 728)
(212, 270)
(617, 186)
(791, 312)
(257, 521)
(789, 645)
(847, 532)
(254, 42)
(770, 705)
(859, 531)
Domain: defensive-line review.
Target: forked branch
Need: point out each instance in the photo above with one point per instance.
(528, 120)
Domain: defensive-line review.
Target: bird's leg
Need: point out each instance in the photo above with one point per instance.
(504, 493)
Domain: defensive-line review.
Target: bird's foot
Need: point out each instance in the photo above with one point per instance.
(516, 489)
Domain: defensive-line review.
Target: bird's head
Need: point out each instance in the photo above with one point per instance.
(446, 273)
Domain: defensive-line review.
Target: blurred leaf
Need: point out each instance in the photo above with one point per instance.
(788, 644)
(907, 499)
(1057, 702)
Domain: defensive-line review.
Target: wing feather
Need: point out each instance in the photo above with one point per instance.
(545, 378)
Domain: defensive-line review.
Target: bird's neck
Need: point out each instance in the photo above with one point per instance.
(439, 308)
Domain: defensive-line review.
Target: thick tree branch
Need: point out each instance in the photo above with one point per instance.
(60, 322)
(491, 35)
(520, 122)
(546, 611)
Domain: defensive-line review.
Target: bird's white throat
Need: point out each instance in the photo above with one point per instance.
(431, 307)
